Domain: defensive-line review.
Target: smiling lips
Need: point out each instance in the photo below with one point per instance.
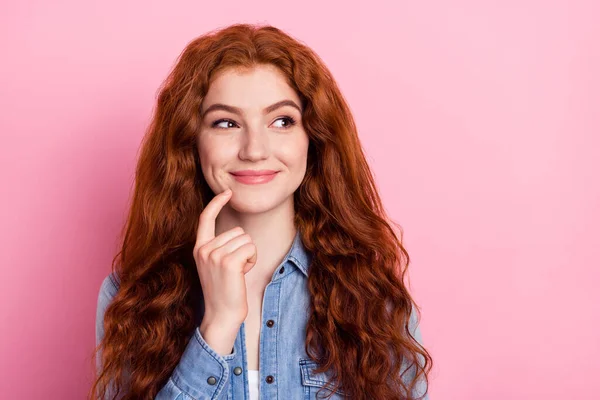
(252, 177)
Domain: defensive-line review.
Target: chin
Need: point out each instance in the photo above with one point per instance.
(254, 205)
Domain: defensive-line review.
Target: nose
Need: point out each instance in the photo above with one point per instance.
(255, 146)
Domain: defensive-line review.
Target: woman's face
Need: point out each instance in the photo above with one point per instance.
(252, 121)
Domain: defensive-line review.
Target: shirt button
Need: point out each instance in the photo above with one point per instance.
(281, 270)
(270, 323)
(237, 370)
(270, 379)
(212, 380)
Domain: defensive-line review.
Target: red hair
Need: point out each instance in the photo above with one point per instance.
(360, 307)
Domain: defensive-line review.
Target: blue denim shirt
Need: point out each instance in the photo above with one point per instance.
(286, 371)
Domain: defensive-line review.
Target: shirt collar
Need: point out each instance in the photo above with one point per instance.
(298, 254)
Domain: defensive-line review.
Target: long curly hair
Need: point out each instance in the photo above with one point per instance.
(360, 306)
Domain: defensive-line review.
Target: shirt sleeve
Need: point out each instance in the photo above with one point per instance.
(201, 372)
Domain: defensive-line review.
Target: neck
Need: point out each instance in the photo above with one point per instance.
(271, 231)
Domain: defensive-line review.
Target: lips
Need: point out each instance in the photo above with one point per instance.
(248, 172)
(251, 177)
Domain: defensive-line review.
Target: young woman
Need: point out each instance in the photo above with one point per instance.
(257, 257)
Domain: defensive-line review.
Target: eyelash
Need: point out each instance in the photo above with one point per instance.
(291, 121)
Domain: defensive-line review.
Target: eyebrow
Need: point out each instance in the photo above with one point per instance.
(236, 110)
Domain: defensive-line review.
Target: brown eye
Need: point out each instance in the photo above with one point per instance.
(228, 124)
(289, 122)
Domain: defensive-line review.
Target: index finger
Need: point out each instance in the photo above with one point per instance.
(206, 225)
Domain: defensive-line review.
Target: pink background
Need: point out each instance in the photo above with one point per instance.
(479, 118)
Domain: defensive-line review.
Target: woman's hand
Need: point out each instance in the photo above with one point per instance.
(222, 263)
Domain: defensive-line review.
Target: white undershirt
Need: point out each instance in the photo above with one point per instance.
(253, 383)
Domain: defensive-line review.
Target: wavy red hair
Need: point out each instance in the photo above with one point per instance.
(360, 306)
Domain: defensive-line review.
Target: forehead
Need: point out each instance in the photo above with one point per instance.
(258, 87)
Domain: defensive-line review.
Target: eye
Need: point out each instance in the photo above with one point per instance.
(221, 121)
(224, 123)
(289, 122)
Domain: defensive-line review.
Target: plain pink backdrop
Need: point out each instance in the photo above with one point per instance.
(480, 120)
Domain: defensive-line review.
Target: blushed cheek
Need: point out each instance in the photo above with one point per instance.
(204, 151)
(295, 151)
(302, 153)
(205, 162)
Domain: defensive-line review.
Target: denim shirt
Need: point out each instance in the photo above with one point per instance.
(285, 370)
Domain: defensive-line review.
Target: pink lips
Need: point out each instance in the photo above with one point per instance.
(251, 177)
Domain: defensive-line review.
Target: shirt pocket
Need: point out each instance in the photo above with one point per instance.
(314, 382)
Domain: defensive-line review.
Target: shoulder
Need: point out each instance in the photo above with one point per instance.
(110, 286)
(108, 289)
(106, 293)
(413, 324)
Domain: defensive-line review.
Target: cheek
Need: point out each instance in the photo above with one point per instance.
(300, 153)
(209, 159)
(204, 157)
(294, 152)
(212, 153)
